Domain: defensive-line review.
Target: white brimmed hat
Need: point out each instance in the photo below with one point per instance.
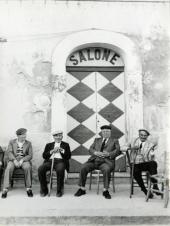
(57, 132)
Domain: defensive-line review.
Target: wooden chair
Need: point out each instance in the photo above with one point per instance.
(133, 183)
(164, 181)
(18, 175)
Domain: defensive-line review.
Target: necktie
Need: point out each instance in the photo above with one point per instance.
(140, 146)
(103, 144)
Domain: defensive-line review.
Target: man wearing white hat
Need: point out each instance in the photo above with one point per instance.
(60, 151)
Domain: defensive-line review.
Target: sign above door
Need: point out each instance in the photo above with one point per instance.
(95, 56)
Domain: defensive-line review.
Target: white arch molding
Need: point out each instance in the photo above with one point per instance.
(133, 75)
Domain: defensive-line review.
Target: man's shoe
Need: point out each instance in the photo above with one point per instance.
(4, 194)
(29, 193)
(106, 194)
(59, 194)
(43, 194)
(151, 195)
(80, 192)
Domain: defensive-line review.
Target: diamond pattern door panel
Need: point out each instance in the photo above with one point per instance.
(94, 98)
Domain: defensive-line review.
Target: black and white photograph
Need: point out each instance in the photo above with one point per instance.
(84, 112)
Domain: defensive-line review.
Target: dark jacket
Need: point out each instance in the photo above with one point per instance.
(66, 155)
(1, 156)
(112, 147)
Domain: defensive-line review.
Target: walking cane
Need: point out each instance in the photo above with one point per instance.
(51, 174)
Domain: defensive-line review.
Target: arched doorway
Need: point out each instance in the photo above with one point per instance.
(133, 97)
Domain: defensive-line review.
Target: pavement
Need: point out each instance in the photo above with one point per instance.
(89, 209)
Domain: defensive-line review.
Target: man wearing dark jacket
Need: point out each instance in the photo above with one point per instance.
(60, 151)
(103, 152)
(1, 164)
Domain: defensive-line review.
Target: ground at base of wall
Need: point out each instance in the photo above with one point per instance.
(90, 209)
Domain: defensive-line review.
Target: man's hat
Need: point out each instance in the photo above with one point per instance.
(21, 131)
(57, 132)
(144, 131)
(105, 127)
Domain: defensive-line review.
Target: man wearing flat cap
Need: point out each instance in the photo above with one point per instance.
(19, 154)
(142, 154)
(103, 152)
(60, 152)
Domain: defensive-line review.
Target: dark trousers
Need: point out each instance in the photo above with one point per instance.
(59, 167)
(1, 172)
(90, 166)
(151, 167)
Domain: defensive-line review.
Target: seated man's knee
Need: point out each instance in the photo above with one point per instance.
(27, 167)
(136, 171)
(61, 168)
(84, 168)
(106, 169)
(10, 165)
(153, 164)
(40, 169)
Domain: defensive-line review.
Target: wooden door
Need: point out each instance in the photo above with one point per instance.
(95, 97)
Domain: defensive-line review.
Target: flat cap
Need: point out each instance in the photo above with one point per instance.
(21, 131)
(144, 131)
(105, 127)
(57, 132)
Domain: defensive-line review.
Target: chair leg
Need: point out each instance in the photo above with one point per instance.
(65, 176)
(113, 181)
(12, 183)
(131, 186)
(149, 189)
(162, 189)
(98, 181)
(166, 193)
(131, 180)
(25, 181)
(90, 180)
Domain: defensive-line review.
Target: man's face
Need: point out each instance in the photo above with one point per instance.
(58, 137)
(106, 133)
(22, 137)
(143, 136)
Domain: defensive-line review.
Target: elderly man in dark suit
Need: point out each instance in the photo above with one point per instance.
(19, 154)
(103, 152)
(60, 151)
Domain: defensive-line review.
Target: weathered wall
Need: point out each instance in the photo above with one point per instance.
(33, 29)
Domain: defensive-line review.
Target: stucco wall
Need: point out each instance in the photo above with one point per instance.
(33, 29)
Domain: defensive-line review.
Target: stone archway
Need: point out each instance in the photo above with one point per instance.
(133, 75)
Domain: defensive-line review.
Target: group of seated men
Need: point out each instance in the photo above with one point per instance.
(103, 152)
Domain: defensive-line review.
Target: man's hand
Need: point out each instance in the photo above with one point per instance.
(99, 154)
(135, 148)
(16, 163)
(106, 154)
(61, 150)
(55, 150)
(20, 162)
